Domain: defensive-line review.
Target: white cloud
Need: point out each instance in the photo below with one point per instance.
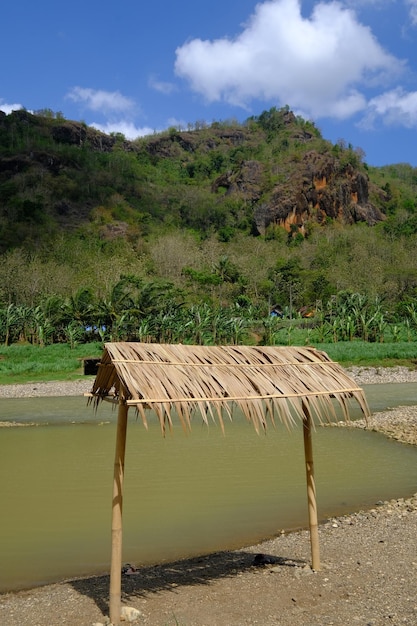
(129, 130)
(100, 100)
(360, 3)
(174, 122)
(112, 105)
(8, 108)
(393, 108)
(412, 4)
(161, 86)
(321, 64)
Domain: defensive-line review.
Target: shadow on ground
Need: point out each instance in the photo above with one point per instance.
(169, 576)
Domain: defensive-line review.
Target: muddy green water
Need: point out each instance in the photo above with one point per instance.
(184, 495)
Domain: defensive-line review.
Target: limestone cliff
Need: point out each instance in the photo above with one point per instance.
(317, 188)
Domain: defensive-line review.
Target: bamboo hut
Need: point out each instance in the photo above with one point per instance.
(183, 382)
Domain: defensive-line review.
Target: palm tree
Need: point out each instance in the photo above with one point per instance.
(226, 269)
(80, 307)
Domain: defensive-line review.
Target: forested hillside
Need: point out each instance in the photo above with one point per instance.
(100, 232)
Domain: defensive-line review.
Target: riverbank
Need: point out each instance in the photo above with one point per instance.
(362, 375)
(368, 575)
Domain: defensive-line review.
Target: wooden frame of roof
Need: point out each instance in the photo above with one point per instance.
(265, 382)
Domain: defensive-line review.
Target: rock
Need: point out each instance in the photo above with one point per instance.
(303, 571)
(318, 189)
(130, 614)
(263, 559)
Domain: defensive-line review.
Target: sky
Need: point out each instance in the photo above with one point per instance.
(139, 67)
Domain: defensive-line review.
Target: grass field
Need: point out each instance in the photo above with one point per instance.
(372, 354)
(27, 363)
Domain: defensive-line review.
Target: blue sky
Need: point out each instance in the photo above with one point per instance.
(139, 67)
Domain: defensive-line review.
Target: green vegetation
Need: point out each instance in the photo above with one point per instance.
(23, 364)
(28, 364)
(60, 176)
(155, 240)
(364, 354)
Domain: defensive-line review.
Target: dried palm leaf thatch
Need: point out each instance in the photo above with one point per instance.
(263, 381)
(288, 383)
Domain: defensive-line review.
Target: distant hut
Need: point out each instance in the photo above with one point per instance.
(266, 383)
(276, 311)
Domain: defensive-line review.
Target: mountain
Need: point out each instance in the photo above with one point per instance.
(273, 171)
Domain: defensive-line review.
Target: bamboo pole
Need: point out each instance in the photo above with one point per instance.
(117, 509)
(311, 490)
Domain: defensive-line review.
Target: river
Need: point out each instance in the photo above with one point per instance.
(184, 494)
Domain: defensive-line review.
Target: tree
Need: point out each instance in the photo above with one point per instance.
(286, 277)
(226, 270)
(80, 307)
(9, 320)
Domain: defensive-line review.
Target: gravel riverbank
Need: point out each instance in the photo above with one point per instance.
(362, 375)
(368, 575)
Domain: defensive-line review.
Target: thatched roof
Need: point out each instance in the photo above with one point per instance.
(264, 382)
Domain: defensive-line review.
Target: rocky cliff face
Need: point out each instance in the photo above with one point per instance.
(283, 172)
(318, 188)
(61, 131)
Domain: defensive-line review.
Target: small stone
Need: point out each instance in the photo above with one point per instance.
(129, 614)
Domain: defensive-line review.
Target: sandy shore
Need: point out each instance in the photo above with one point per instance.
(368, 575)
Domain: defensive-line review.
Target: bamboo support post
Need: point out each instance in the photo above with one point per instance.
(311, 490)
(116, 531)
